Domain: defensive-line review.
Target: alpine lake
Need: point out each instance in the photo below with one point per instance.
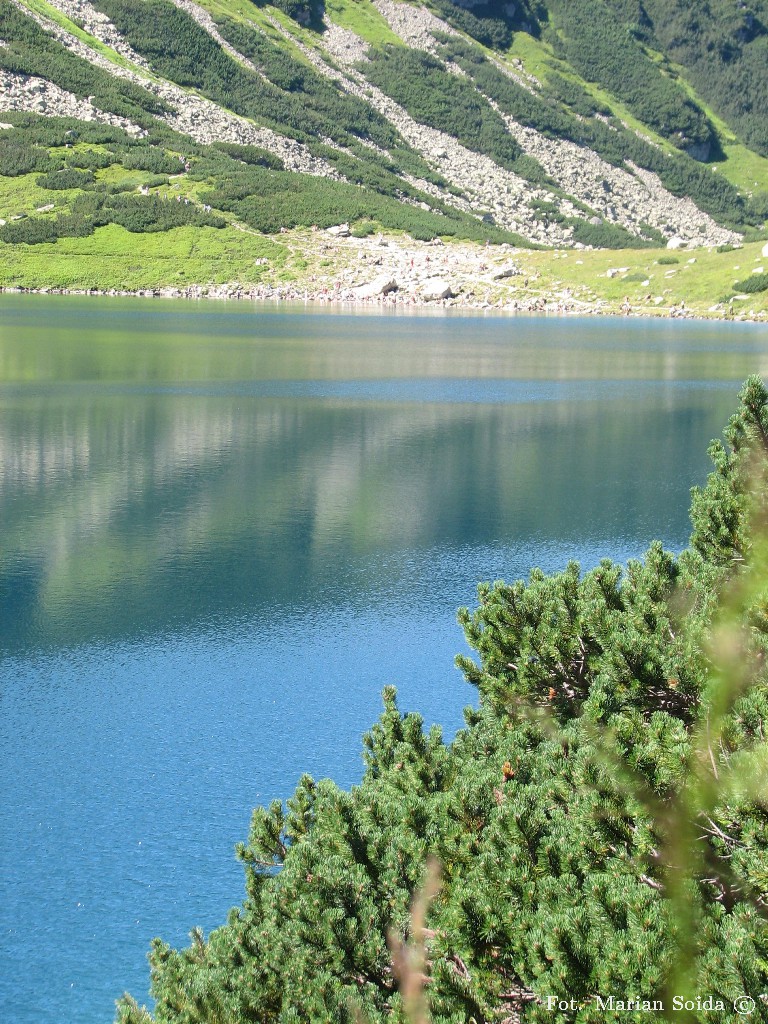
(224, 528)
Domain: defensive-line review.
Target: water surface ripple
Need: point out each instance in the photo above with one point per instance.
(226, 528)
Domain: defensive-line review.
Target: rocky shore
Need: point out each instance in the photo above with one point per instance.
(296, 293)
(348, 301)
(333, 268)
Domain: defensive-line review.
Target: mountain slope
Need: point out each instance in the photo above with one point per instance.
(453, 121)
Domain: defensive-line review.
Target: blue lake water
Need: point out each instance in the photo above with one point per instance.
(224, 529)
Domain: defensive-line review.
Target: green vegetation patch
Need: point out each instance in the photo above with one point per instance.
(114, 258)
(597, 827)
(270, 200)
(93, 179)
(251, 155)
(146, 158)
(308, 13)
(30, 128)
(135, 213)
(745, 169)
(724, 49)
(752, 284)
(21, 196)
(481, 22)
(362, 18)
(602, 50)
(18, 159)
(607, 236)
(66, 177)
(641, 275)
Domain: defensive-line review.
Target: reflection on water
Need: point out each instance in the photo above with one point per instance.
(225, 529)
(218, 341)
(128, 513)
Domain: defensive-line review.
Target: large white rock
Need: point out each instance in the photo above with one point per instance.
(765, 249)
(381, 285)
(676, 242)
(507, 272)
(436, 288)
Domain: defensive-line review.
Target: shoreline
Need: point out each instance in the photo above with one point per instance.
(345, 300)
(334, 269)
